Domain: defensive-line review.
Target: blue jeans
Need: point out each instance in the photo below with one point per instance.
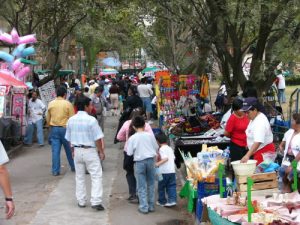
(39, 132)
(281, 96)
(167, 185)
(145, 178)
(57, 138)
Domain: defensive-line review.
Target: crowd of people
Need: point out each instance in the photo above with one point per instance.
(76, 120)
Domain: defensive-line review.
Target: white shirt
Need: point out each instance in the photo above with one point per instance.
(3, 155)
(166, 152)
(295, 142)
(142, 145)
(77, 81)
(281, 81)
(83, 129)
(144, 91)
(36, 110)
(259, 130)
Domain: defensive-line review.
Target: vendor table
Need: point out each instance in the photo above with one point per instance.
(216, 219)
(193, 146)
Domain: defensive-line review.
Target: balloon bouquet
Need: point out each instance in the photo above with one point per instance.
(14, 60)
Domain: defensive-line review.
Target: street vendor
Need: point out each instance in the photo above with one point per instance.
(290, 146)
(235, 130)
(259, 133)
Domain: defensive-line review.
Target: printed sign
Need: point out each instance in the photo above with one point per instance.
(18, 105)
(47, 92)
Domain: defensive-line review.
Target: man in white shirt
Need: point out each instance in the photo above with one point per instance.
(281, 88)
(86, 139)
(145, 93)
(36, 109)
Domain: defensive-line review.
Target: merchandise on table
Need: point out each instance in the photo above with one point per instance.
(278, 209)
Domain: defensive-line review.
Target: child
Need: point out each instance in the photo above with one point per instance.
(143, 147)
(166, 166)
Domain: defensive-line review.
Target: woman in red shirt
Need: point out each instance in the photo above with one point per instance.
(235, 130)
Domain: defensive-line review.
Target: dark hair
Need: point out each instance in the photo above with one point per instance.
(138, 122)
(135, 112)
(99, 89)
(114, 82)
(86, 89)
(237, 104)
(103, 78)
(161, 138)
(296, 117)
(133, 89)
(61, 91)
(81, 102)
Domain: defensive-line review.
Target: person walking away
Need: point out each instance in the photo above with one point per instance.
(145, 93)
(92, 87)
(114, 98)
(86, 139)
(86, 92)
(259, 133)
(124, 134)
(36, 109)
(99, 103)
(132, 101)
(59, 112)
(235, 130)
(281, 87)
(5, 183)
(290, 146)
(143, 147)
(166, 166)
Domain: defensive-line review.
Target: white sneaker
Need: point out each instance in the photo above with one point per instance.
(158, 203)
(171, 204)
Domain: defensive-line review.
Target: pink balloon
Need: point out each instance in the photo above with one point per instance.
(23, 72)
(16, 64)
(14, 35)
(5, 37)
(27, 39)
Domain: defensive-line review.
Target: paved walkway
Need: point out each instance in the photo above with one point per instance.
(42, 199)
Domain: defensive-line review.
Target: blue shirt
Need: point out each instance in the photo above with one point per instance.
(83, 129)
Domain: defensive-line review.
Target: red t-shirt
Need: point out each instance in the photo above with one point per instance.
(236, 127)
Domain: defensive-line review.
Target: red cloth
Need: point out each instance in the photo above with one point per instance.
(237, 127)
(259, 154)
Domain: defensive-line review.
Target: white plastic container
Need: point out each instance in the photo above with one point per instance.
(244, 169)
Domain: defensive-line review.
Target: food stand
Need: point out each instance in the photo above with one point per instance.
(12, 109)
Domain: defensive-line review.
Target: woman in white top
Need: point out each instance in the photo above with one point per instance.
(290, 146)
(259, 133)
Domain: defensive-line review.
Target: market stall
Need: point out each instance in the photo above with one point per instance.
(12, 109)
(253, 198)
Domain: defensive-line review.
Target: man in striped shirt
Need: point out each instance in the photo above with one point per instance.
(86, 140)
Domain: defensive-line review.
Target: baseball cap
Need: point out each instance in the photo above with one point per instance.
(91, 81)
(248, 103)
(106, 80)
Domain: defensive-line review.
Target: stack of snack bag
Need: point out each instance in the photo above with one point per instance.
(205, 166)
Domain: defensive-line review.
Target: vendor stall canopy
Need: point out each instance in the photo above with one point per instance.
(61, 73)
(108, 71)
(7, 80)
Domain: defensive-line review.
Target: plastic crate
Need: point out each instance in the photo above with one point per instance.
(206, 189)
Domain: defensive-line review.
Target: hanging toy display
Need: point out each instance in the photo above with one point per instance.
(14, 60)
